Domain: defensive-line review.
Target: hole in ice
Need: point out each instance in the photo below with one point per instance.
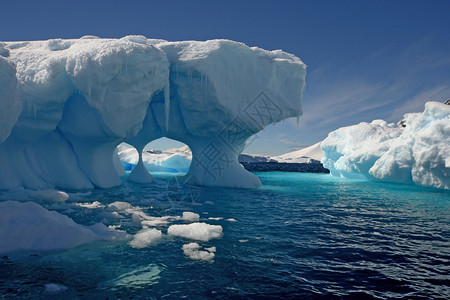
(128, 156)
(160, 156)
(167, 155)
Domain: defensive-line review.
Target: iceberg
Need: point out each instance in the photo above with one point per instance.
(415, 151)
(65, 105)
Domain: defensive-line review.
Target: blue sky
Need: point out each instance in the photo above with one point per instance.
(366, 59)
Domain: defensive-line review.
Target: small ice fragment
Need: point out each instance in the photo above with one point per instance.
(119, 206)
(92, 205)
(211, 249)
(192, 251)
(196, 231)
(146, 237)
(190, 216)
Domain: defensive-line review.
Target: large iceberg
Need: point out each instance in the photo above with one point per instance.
(417, 153)
(65, 105)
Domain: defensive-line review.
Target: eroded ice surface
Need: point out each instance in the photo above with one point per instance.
(418, 153)
(65, 105)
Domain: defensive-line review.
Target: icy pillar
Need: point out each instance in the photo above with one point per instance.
(215, 163)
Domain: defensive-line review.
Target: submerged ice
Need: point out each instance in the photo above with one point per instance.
(418, 153)
(30, 227)
(65, 105)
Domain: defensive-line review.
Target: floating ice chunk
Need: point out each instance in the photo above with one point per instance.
(30, 227)
(146, 237)
(54, 288)
(92, 205)
(159, 221)
(211, 249)
(190, 216)
(139, 217)
(119, 206)
(49, 195)
(196, 231)
(192, 250)
(231, 220)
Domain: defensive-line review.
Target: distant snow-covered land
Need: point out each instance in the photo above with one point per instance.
(304, 155)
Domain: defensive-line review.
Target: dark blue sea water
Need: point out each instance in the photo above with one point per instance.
(300, 236)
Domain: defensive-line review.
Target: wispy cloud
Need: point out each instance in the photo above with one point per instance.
(293, 144)
(386, 84)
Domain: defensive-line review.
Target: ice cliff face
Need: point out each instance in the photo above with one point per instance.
(419, 153)
(66, 104)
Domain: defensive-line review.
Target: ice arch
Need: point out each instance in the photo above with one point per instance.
(71, 102)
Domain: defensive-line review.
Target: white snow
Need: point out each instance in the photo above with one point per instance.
(302, 156)
(92, 205)
(196, 231)
(415, 154)
(192, 250)
(65, 105)
(30, 227)
(146, 237)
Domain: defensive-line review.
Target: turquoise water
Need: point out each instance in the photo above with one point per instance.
(299, 236)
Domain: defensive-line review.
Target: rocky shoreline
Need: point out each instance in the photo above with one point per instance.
(284, 167)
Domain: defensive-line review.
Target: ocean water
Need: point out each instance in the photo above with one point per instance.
(300, 236)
